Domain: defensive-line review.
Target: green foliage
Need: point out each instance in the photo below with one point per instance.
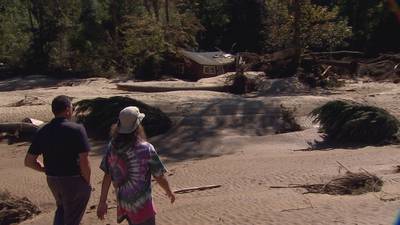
(246, 27)
(14, 31)
(52, 24)
(105, 37)
(346, 122)
(375, 24)
(88, 44)
(147, 42)
(92, 36)
(364, 16)
(278, 26)
(320, 26)
(99, 114)
(212, 14)
(144, 43)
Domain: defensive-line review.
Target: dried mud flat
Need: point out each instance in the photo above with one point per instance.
(222, 139)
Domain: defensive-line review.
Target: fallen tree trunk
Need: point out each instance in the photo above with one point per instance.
(338, 53)
(182, 86)
(339, 63)
(19, 131)
(350, 66)
(18, 127)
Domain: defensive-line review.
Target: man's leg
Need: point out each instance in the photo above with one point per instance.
(59, 216)
(77, 194)
(54, 187)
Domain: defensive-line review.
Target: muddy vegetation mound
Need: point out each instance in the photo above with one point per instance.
(346, 123)
(14, 210)
(98, 114)
(348, 184)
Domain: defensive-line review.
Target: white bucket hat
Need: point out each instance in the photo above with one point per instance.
(129, 119)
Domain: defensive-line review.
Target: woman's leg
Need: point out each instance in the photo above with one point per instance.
(151, 221)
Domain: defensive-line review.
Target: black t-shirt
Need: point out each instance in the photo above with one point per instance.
(60, 142)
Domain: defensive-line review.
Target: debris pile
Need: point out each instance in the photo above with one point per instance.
(348, 184)
(15, 210)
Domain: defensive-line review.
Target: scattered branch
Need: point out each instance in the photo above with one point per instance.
(191, 189)
(302, 208)
(342, 166)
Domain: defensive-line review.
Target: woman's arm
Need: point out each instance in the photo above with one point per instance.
(102, 207)
(163, 182)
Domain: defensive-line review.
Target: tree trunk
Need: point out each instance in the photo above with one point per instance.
(29, 8)
(156, 8)
(167, 11)
(147, 6)
(297, 32)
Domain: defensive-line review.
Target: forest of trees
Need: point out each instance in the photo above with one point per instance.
(140, 38)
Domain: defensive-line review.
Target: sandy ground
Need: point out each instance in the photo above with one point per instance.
(223, 139)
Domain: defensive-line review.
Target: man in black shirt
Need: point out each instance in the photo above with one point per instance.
(64, 146)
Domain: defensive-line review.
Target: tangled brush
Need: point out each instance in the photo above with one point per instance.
(348, 184)
(99, 114)
(346, 122)
(14, 210)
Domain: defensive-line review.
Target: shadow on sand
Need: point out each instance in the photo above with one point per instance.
(35, 81)
(327, 145)
(200, 134)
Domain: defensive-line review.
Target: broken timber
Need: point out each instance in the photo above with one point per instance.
(191, 189)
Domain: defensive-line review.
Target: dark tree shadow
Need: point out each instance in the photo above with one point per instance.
(198, 135)
(327, 144)
(32, 82)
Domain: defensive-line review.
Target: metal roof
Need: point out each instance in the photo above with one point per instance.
(209, 58)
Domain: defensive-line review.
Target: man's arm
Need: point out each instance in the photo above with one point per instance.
(32, 162)
(84, 166)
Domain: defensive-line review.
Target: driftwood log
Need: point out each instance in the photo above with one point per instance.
(20, 131)
(383, 65)
(254, 58)
(384, 57)
(191, 189)
(337, 54)
(19, 127)
(170, 86)
(351, 66)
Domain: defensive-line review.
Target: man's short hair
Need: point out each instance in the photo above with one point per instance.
(60, 104)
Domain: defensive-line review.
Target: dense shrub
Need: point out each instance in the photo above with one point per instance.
(99, 114)
(239, 84)
(346, 122)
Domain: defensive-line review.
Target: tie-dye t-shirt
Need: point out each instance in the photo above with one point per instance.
(130, 168)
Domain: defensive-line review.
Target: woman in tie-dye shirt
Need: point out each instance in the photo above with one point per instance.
(129, 163)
